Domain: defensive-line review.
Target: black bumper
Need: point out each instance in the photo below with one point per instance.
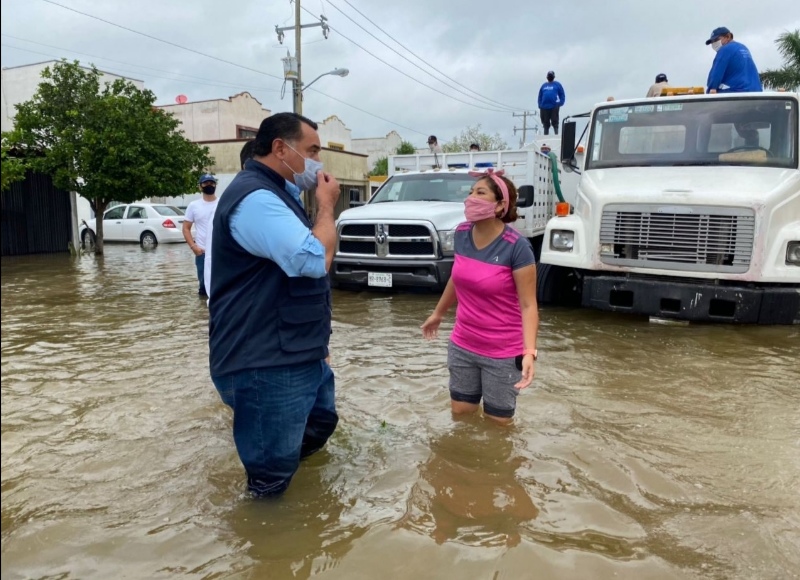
(698, 300)
(432, 274)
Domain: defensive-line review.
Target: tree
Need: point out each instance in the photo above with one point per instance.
(381, 166)
(13, 168)
(382, 163)
(406, 148)
(106, 143)
(473, 134)
(787, 77)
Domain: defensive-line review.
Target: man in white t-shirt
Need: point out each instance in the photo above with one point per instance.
(200, 213)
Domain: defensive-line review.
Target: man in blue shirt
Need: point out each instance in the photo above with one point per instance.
(551, 99)
(270, 307)
(733, 70)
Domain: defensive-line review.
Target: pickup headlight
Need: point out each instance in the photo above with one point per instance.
(447, 241)
(562, 240)
(793, 253)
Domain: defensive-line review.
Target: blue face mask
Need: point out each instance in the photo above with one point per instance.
(308, 179)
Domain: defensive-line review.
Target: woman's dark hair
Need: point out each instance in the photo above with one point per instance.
(511, 214)
(285, 126)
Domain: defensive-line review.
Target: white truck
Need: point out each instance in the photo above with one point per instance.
(403, 236)
(687, 207)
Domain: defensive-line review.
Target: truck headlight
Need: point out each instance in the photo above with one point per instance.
(793, 253)
(562, 240)
(447, 241)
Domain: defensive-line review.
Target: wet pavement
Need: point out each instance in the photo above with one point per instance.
(644, 451)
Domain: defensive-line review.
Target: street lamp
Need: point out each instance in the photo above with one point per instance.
(300, 87)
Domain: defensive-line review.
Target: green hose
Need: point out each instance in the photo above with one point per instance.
(554, 170)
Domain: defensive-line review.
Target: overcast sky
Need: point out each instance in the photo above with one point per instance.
(497, 49)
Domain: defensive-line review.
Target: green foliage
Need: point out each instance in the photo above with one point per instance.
(473, 134)
(405, 148)
(13, 168)
(106, 142)
(381, 167)
(787, 77)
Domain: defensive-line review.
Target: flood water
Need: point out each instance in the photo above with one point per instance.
(644, 451)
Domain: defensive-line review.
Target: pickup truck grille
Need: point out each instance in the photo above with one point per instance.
(387, 240)
(697, 238)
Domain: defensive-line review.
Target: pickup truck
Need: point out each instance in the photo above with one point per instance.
(403, 236)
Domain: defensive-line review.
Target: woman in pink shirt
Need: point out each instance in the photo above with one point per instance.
(492, 350)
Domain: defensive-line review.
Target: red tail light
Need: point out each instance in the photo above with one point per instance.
(168, 224)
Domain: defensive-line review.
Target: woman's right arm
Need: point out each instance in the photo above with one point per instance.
(430, 328)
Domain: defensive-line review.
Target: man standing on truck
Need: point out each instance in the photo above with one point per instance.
(733, 70)
(551, 99)
(655, 89)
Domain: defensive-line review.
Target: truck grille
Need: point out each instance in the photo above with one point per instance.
(697, 238)
(387, 240)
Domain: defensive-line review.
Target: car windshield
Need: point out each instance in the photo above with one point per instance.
(453, 187)
(669, 131)
(168, 210)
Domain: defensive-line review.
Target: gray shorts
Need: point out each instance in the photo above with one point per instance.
(473, 376)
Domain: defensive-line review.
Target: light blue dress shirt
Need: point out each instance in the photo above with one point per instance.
(264, 226)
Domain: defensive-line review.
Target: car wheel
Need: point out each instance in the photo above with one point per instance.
(148, 240)
(87, 239)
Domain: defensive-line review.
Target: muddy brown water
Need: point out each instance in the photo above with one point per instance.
(644, 451)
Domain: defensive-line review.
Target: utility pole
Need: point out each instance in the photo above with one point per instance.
(292, 66)
(297, 104)
(524, 115)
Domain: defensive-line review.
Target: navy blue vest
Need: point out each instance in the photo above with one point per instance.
(259, 316)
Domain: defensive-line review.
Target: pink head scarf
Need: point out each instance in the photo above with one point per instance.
(495, 176)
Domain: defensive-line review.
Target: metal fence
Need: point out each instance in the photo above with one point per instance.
(36, 217)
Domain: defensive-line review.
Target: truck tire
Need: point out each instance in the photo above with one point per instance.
(557, 286)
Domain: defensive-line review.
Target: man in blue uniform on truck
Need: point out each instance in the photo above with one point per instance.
(733, 70)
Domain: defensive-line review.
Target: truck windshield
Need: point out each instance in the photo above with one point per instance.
(661, 132)
(425, 187)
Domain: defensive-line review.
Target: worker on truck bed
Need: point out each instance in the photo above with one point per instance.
(733, 70)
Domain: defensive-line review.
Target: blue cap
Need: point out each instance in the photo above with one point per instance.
(716, 33)
(207, 177)
(661, 78)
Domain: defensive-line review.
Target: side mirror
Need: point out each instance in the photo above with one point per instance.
(567, 143)
(525, 196)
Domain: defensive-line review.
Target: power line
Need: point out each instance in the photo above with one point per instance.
(368, 19)
(236, 64)
(481, 98)
(225, 85)
(210, 83)
(400, 71)
(228, 62)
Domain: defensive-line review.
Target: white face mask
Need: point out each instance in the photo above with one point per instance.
(308, 178)
(716, 45)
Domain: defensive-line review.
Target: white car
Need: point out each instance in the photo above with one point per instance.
(147, 223)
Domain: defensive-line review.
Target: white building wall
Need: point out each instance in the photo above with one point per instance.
(19, 84)
(333, 133)
(376, 147)
(218, 119)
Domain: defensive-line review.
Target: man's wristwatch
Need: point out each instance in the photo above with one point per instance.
(532, 351)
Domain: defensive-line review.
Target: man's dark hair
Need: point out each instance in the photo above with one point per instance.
(247, 151)
(286, 126)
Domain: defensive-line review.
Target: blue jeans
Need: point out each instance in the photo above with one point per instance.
(200, 262)
(280, 415)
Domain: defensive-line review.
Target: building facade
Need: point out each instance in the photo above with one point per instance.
(376, 147)
(237, 117)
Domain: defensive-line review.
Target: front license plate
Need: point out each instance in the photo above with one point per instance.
(383, 279)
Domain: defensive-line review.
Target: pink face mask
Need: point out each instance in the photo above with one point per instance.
(476, 209)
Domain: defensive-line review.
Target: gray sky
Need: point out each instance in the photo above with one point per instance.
(499, 49)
